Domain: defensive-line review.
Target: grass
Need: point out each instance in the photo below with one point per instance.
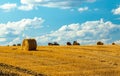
(61, 61)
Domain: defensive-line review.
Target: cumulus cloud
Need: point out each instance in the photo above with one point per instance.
(83, 9)
(25, 7)
(11, 30)
(8, 6)
(86, 33)
(116, 11)
(117, 42)
(2, 39)
(63, 4)
(14, 41)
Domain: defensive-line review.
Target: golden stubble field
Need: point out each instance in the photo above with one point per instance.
(61, 61)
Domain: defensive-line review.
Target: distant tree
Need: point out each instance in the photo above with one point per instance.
(68, 43)
(100, 43)
(76, 43)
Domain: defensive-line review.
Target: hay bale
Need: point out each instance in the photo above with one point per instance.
(100, 43)
(14, 44)
(76, 43)
(68, 43)
(18, 44)
(55, 43)
(29, 44)
(50, 44)
(113, 43)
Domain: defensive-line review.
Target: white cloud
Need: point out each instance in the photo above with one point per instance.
(116, 11)
(32, 1)
(117, 42)
(83, 9)
(14, 41)
(26, 7)
(2, 39)
(11, 30)
(63, 4)
(69, 27)
(8, 6)
(86, 33)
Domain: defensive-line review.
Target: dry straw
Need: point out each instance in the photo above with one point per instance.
(29, 44)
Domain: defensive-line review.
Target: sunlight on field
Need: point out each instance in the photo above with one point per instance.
(61, 60)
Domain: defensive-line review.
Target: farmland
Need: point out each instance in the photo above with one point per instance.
(102, 60)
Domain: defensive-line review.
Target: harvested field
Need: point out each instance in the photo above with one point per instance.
(61, 61)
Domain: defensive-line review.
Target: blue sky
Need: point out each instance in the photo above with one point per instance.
(86, 21)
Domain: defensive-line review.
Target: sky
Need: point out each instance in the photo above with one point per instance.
(85, 21)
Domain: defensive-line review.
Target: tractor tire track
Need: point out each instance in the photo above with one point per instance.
(7, 74)
(18, 69)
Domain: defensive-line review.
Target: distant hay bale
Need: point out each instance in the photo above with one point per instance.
(50, 44)
(14, 44)
(29, 44)
(100, 43)
(68, 43)
(55, 43)
(18, 44)
(76, 43)
(113, 43)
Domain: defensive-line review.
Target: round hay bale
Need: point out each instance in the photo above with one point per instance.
(14, 44)
(55, 43)
(76, 43)
(29, 44)
(100, 43)
(113, 43)
(18, 44)
(50, 44)
(68, 43)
